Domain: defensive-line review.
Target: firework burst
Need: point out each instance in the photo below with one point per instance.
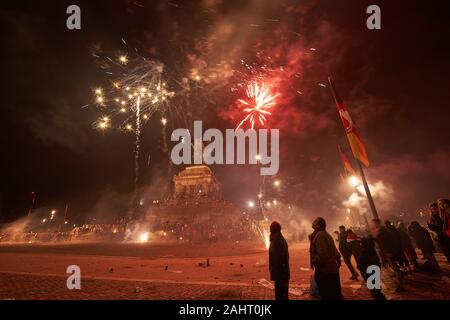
(258, 105)
(136, 93)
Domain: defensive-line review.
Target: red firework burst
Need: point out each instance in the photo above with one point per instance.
(258, 105)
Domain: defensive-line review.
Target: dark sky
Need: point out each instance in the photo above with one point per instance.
(394, 80)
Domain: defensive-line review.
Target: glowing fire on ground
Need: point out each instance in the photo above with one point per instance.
(143, 237)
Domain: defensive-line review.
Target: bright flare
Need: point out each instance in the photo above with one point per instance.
(144, 237)
(354, 181)
(123, 59)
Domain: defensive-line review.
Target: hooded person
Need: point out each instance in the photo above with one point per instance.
(325, 260)
(279, 262)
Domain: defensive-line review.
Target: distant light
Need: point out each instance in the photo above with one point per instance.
(354, 181)
(164, 121)
(99, 99)
(251, 204)
(144, 237)
(260, 196)
(277, 183)
(275, 202)
(44, 220)
(123, 59)
(98, 91)
(65, 222)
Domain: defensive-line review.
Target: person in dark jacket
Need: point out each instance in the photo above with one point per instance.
(279, 262)
(354, 243)
(444, 212)
(436, 224)
(408, 248)
(369, 257)
(346, 252)
(424, 242)
(397, 244)
(389, 251)
(326, 261)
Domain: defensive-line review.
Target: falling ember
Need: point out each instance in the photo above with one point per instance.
(258, 104)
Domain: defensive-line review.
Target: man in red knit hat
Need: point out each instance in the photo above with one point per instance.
(279, 262)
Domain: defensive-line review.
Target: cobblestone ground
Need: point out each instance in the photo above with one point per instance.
(32, 287)
(21, 280)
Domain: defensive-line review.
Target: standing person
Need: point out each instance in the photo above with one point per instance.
(444, 213)
(279, 262)
(424, 242)
(325, 260)
(345, 251)
(436, 224)
(408, 248)
(388, 251)
(369, 257)
(354, 243)
(397, 244)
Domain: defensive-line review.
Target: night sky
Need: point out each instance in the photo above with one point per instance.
(395, 82)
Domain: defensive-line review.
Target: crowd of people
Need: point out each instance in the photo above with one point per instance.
(128, 229)
(242, 229)
(389, 246)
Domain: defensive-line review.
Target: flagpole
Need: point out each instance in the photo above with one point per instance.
(338, 101)
(366, 188)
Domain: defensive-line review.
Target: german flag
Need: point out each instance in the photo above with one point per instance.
(346, 162)
(356, 144)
